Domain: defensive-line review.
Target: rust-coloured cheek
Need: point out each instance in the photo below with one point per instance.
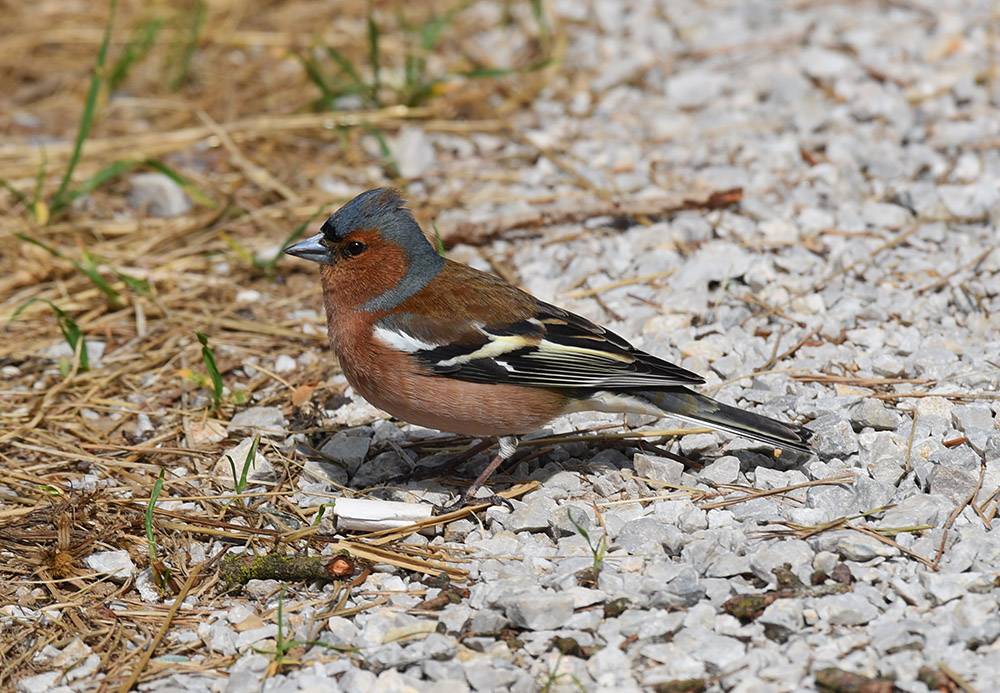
(354, 281)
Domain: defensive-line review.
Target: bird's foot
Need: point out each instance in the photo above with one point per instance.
(445, 467)
(465, 500)
(423, 472)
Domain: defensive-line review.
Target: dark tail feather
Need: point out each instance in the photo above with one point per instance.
(685, 404)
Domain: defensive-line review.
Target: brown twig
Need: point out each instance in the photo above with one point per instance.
(955, 513)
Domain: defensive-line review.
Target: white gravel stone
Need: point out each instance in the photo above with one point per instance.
(412, 151)
(158, 194)
(116, 563)
(538, 611)
(725, 470)
(265, 420)
(658, 468)
(845, 609)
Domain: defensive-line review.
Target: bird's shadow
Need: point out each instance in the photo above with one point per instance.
(440, 466)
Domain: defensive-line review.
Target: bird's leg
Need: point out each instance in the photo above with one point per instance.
(508, 445)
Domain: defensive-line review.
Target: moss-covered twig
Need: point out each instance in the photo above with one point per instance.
(237, 569)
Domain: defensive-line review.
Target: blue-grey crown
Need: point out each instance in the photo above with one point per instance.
(383, 209)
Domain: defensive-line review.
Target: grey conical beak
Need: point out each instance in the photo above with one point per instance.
(312, 249)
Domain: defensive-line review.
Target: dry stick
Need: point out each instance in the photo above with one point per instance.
(150, 144)
(583, 293)
(842, 479)
(825, 379)
(955, 513)
(890, 542)
(369, 552)
(774, 351)
(982, 516)
(385, 536)
(41, 642)
(909, 443)
(256, 174)
(762, 305)
(945, 395)
(178, 601)
(565, 211)
(946, 278)
(660, 433)
(776, 359)
(989, 499)
(956, 678)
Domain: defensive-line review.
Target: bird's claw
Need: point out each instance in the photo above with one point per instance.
(465, 500)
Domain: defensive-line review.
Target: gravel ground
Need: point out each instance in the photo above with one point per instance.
(860, 271)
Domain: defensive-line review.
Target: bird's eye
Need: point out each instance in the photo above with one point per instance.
(355, 248)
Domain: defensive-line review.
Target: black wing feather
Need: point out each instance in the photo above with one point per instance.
(556, 349)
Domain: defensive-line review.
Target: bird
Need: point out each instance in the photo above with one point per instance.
(443, 345)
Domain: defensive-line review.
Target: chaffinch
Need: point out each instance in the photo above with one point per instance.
(443, 345)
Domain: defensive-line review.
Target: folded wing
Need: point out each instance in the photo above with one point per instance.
(553, 349)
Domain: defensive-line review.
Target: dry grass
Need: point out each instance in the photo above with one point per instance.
(243, 127)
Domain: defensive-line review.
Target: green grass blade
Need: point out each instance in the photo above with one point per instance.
(374, 56)
(422, 93)
(240, 481)
(316, 77)
(43, 169)
(347, 67)
(153, 497)
(135, 50)
(46, 247)
(279, 641)
(140, 286)
(114, 170)
(192, 190)
(292, 237)
(213, 370)
(21, 197)
(190, 45)
(413, 71)
(90, 270)
(87, 118)
(331, 91)
(248, 463)
(383, 145)
(544, 29)
(438, 243)
(109, 172)
(578, 527)
(489, 72)
(74, 337)
(67, 325)
(433, 28)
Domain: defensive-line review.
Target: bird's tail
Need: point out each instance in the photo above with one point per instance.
(689, 405)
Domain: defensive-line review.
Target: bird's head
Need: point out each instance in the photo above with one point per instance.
(373, 254)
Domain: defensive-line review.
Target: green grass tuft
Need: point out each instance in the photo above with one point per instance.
(208, 357)
(70, 330)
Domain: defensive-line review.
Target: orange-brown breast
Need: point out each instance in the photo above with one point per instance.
(390, 381)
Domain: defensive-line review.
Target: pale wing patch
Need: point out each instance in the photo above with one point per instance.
(401, 341)
(563, 352)
(497, 346)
